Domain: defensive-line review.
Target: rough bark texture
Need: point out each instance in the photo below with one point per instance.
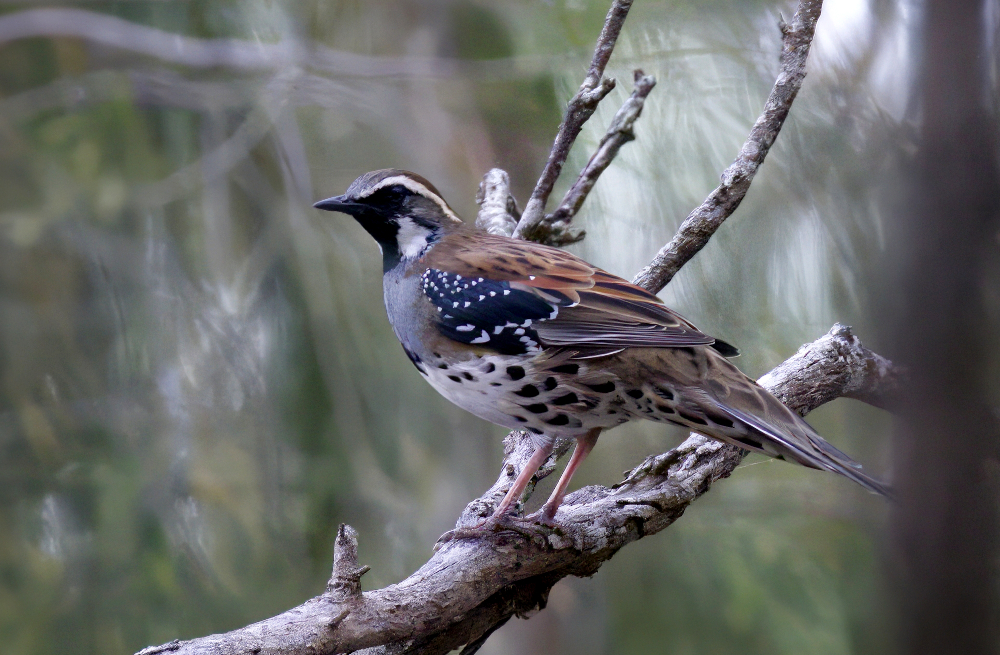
(498, 212)
(702, 223)
(471, 586)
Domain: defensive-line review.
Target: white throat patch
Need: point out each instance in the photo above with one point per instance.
(412, 238)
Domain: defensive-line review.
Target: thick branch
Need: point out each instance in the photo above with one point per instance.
(471, 586)
(702, 223)
(579, 109)
(498, 212)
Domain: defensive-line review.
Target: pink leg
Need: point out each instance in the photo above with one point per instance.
(584, 445)
(533, 464)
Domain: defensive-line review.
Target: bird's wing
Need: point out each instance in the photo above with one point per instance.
(511, 294)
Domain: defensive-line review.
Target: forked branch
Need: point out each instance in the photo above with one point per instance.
(579, 109)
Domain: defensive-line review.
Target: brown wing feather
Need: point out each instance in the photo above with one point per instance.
(597, 308)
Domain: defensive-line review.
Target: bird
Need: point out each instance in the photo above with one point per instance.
(534, 338)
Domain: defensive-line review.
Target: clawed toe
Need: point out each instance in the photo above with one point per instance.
(504, 522)
(543, 517)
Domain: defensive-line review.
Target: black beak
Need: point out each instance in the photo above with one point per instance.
(339, 204)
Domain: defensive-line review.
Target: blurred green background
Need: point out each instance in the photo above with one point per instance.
(197, 380)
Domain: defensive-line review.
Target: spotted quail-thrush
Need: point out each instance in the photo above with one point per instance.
(530, 337)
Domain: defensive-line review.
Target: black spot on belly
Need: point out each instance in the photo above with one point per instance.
(495, 384)
(515, 372)
(534, 431)
(468, 376)
(537, 408)
(558, 419)
(635, 393)
(724, 422)
(569, 369)
(490, 367)
(443, 367)
(519, 419)
(455, 378)
(550, 384)
(415, 358)
(665, 409)
(604, 387)
(527, 391)
(568, 399)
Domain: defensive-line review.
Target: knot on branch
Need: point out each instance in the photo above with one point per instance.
(345, 581)
(589, 97)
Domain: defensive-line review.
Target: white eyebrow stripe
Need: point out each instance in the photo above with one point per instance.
(415, 187)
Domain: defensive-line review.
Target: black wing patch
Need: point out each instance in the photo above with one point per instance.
(480, 311)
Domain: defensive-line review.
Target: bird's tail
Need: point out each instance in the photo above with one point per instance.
(791, 438)
(700, 389)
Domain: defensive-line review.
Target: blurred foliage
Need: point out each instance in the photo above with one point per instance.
(197, 381)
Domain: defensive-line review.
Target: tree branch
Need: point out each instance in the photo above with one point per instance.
(471, 586)
(579, 109)
(554, 229)
(702, 223)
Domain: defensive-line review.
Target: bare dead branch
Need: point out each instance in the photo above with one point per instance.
(702, 223)
(555, 227)
(578, 110)
(470, 586)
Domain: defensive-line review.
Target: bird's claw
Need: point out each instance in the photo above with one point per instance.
(493, 524)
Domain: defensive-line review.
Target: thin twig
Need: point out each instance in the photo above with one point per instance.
(702, 223)
(579, 109)
(556, 226)
(470, 586)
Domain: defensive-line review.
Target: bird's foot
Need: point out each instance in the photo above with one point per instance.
(545, 516)
(493, 524)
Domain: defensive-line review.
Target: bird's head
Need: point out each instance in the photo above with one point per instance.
(401, 210)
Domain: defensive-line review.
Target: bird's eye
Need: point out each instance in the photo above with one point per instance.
(396, 193)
